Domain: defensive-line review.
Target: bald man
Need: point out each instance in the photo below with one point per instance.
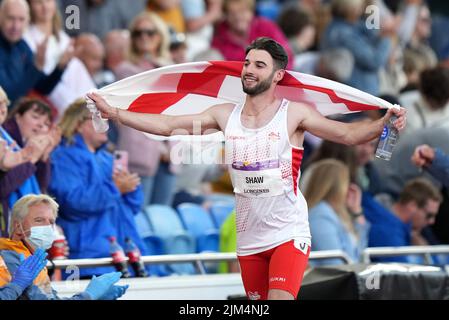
(90, 51)
(116, 44)
(21, 69)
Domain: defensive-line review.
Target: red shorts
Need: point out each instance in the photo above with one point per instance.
(279, 268)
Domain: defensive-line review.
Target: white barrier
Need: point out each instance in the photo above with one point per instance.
(426, 251)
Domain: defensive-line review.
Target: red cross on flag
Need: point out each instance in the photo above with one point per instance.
(193, 87)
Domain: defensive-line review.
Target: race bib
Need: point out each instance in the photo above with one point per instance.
(257, 179)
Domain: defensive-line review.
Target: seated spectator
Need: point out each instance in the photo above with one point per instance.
(32, 232)
(178, 47)
(90, 51)
(28, 127)
(369, 49)
(116, 44)
(46, 26)
(22, 70)
(96, 203)
(298, 26)
(149, 47)
(241, 27)
(336, 218)
(431, 109)
(419, 42)
(392, 227)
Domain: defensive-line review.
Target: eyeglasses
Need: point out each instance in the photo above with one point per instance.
(139, 33)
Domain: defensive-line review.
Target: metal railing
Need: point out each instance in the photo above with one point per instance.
(197, 258)
(426, 251)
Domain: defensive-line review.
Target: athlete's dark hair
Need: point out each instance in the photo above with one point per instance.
(276, 51)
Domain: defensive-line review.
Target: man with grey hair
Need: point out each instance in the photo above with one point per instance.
(22, 70)
(32, 231)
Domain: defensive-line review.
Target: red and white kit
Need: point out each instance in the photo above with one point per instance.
(271, 211)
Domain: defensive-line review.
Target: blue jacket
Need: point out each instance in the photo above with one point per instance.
(18, 74)
(41, 289)
(439, 168)
(387, 230)
(329, 233)
(91, 207)
(370, 52)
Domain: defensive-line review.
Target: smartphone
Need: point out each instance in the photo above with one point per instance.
(120, 160)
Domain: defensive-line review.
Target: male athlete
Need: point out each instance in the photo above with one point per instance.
(263, 148)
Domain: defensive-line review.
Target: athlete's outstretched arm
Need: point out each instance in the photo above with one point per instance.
(348, 133)
(159, 124)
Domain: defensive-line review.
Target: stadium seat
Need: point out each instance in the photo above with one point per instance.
(220, 211)
(199, 223)
(165, 224)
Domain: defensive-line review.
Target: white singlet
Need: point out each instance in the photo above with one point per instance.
(265, 169)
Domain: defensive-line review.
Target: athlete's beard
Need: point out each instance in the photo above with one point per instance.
(259, 88)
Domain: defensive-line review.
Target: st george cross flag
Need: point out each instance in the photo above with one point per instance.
(191, 88)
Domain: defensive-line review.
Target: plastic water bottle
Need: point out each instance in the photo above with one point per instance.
(118, 257)
(134, 258)
(100, 124)
(388, 140)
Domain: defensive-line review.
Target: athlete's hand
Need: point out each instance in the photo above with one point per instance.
(400, 122)
(107, 111)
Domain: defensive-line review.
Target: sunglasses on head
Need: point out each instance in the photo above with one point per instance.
(139, 33)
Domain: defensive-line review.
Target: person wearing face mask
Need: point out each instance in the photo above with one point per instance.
(16, 164)
(32, 231)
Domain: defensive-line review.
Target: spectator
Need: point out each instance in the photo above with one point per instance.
(178, 47)
(433, 160)
(298, 26)
(90, 51)
(149, 158)
(11, 157)
(22, 70)
(149, 49)
(432, 107)
(32, 231)
(170, 12)
(419, 40)
(241, 27)
(30, 123)
(101, 16)
(96, 203)
(200, 17)
(116, 44)
(336, 218)
(228, 243)
(392, 227)
(370, 50)
(46, 26)
(413, 66)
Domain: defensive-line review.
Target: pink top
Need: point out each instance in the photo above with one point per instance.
(232, 47)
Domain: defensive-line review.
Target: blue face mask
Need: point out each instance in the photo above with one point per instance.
(42, 236)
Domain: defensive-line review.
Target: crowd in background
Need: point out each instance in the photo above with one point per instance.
(48, 63)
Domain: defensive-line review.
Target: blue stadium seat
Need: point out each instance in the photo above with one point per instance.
(154, 244)
(199, 223)
(165, 224)
(220, 211)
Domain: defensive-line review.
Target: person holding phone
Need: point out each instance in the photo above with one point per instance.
(97, 199)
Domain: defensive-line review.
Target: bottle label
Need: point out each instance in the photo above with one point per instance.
(384, 133)
(133, 256)
(118, 256)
